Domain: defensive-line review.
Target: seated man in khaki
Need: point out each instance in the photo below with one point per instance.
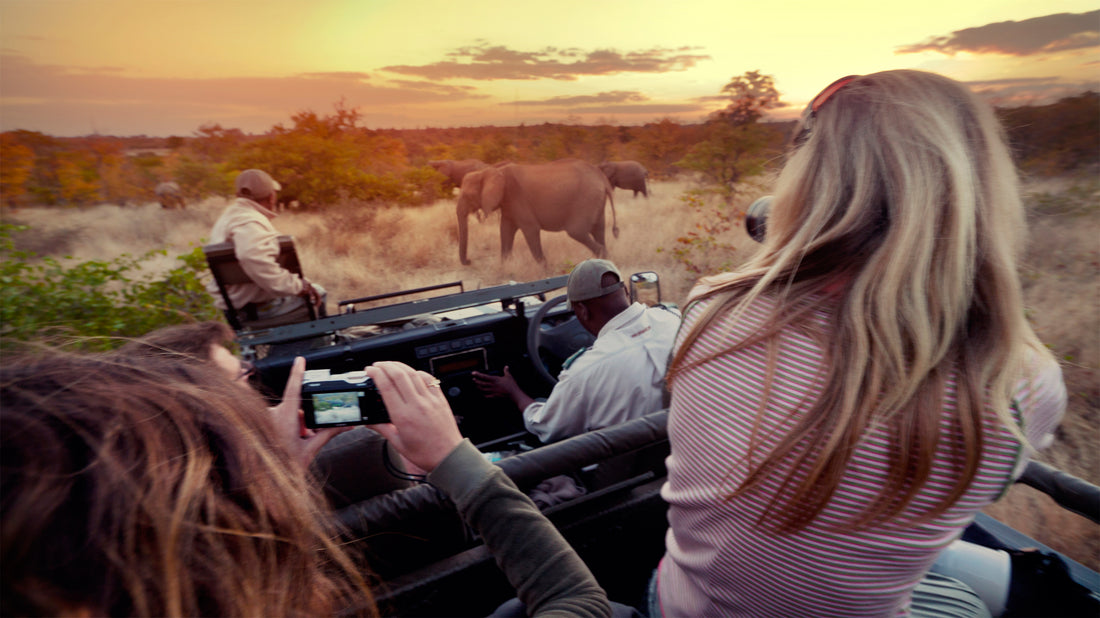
(275, 295)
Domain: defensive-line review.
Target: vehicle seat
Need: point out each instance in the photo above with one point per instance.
(227, 271)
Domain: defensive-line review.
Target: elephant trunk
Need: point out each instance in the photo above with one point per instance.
(463, 234)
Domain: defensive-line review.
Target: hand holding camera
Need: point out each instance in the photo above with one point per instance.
(341, 400)
(423, 426)
(302, 443)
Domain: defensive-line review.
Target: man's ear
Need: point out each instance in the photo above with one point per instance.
(581, 311)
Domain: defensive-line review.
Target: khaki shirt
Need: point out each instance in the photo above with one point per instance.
(256, 243)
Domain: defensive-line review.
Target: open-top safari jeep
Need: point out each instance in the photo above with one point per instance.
(427, 562)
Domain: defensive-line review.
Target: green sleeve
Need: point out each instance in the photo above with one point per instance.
(549, 577)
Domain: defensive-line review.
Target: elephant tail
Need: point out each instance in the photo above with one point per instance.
(614, 222)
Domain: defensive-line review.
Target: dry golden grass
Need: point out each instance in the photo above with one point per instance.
(356, 250)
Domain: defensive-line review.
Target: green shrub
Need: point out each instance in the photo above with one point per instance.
(42, 297)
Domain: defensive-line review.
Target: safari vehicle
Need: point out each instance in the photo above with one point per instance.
(427, 562)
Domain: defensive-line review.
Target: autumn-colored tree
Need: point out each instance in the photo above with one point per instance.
(323, 160)
(214, 143)
(737, 145)
(659, 145)
(199, 178)
(116, 179)
(751, 96)
(16, 170)
(78, 182)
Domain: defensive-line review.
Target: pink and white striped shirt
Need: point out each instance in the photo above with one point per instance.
(718, 562)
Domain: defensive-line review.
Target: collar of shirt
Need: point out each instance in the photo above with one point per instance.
(244, 201)
(628, 315)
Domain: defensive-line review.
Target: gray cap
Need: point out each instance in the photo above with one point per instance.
(585, 280)
(256, 184)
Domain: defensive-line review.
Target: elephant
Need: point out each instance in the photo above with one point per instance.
(629, 175)
(568, 195)
(170, 195)
(456, 170)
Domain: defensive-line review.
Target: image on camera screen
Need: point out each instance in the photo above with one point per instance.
(331, 408)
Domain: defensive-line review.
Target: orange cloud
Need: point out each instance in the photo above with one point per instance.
(1039, 35)
(79, 100)
(614, 96)
(489, 62)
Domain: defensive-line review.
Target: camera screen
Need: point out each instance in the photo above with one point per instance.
(334, 407)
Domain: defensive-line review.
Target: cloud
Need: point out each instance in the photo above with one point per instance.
(466, 92)
(488, 62)
(76, 100)
(354, 76)
(647, 110)
(1039, 35)
(614, 96)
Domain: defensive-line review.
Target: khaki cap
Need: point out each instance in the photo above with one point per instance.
(585, 280)
(256, 184)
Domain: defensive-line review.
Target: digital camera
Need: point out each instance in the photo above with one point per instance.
(341, 400)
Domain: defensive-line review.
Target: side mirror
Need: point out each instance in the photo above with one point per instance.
(645, 288)
(757, 216)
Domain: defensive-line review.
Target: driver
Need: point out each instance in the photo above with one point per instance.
(617, 378)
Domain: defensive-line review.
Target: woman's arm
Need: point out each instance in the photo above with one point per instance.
(549, 577)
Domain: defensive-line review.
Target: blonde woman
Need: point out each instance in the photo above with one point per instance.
(846, 402)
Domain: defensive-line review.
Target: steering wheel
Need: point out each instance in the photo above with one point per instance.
(559, 341)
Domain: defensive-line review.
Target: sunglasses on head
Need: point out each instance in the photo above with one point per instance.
(817, 103)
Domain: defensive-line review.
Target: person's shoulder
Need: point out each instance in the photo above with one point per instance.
(664, 314)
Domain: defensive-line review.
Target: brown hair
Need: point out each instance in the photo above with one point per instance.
(902, 204)
(148, 486)
(191, 339)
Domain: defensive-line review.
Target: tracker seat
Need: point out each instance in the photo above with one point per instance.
(222, 260)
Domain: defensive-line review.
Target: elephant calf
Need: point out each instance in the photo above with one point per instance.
(629, 175)
(170, 195)
(564, 195)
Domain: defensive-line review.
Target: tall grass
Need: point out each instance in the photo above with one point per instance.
(356, 250)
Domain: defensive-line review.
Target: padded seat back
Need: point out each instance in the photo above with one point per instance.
(222, 259)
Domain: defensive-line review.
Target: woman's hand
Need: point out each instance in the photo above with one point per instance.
(302, 443)
(422, 427)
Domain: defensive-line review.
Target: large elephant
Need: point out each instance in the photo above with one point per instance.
(456, 170)
(564, 195)
(629, 175)
(170, 195)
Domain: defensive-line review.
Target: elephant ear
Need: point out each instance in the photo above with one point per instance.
(492, 189)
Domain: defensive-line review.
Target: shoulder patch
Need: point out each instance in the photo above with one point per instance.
(572, 359)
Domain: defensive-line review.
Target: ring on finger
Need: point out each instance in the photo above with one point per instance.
(434, 383)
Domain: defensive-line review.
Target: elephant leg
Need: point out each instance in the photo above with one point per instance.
(585, 238)
(533, 236)
(507, 237)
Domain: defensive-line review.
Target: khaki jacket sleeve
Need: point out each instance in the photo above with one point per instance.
(257, 249)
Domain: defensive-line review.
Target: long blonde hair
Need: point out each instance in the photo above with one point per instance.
(901, 203)
(153, 486)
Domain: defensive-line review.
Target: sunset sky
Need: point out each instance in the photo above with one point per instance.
(166, 67)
